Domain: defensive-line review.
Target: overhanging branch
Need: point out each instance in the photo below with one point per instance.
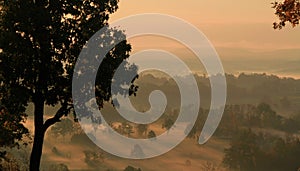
(63, 111)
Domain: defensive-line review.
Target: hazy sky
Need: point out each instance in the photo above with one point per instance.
(237, 28)
(230, 23)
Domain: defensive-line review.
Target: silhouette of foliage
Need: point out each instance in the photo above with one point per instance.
(286, 11)
(151, 134)
(11, 126)
(62, 128)
(241, 154)
(142, 129)
(40, 41)
(58, 167)
(256, 151)
(209, 166)
(130, 168)
(168, 123)
(93, 158)
(9, 163)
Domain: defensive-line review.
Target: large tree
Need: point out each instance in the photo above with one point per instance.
(40, 41)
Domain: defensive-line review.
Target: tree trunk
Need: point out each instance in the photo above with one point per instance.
(36, 152)
(39, 134)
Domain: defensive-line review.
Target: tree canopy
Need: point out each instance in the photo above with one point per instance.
(262, 151)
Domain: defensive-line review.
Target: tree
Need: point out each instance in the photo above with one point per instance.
(262, 151)
(40, 41)
(142, 129)
(191, 131)
(9, 163)
(93, 158)
(242, 152)
(59, 167)
(209, 166)
(63, 128)
(130, 168)
(168, 123)
(151, 134)
(268, 116)
(127, 128)
(286, 11)
(11, 126)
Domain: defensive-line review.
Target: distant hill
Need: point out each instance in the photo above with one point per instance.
(283, 94)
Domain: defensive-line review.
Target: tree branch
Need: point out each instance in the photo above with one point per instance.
(63, 111)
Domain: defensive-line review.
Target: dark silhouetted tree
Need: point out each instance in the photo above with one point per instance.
(151, 134)
(130, 168)
(168, 123)
(142, 129)
(40, 41)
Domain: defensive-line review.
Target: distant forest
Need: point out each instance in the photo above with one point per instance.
(282, 94)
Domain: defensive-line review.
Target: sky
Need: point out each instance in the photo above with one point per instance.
(240, 30)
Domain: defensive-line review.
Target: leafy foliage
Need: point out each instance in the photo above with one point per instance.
(168, 123)
(58, 167)
(241, 154)
(125, 128)
(39, 44)
(151, 134)
(63, 128)
(286, 11)
(142, 129)
(235, 117)
(250, 151)
(209, 166)
(11, 128)
(93, 158)
(130, 168)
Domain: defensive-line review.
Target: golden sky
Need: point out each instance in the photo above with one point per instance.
(230, 23)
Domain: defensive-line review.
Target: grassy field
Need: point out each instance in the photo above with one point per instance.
(187, 156)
